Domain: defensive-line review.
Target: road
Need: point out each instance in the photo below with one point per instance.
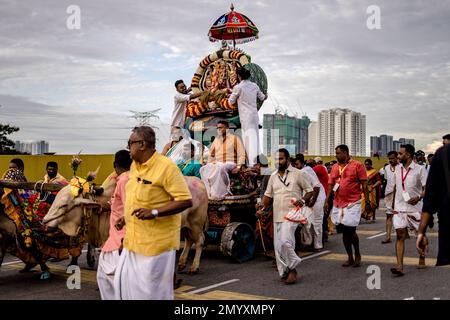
(322, 276)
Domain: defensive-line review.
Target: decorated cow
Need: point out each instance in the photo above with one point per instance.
(23, 234)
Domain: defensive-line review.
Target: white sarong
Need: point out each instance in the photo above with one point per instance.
(317, 221)
(140, 277)
(284, 243)
(410, 220)
(216, 179)
(349, 216)
(389, 201)
(107, 265)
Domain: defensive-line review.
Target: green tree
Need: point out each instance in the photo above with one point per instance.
(6, 145)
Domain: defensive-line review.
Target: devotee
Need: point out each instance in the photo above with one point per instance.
(410, 181)
(155, 194)
(389, 194)
(374, 187)
(53, 175)
(429, 160)
(188, 165)
(437, 199)
(246, 94)
(179, 139)
(446, 139)
(286, 183)
(316, 202)
(110, 254)
(347, 178)
(226, 155)
(181, 99)
(322, 174)
(16, 171)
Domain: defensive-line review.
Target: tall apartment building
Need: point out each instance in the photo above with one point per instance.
(383, 144)
(342, 126)
(32, 147)
(313, 138)
(283, 130)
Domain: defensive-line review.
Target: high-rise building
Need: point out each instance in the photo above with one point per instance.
(313, 138)
(381, 145)
(32, 147)
(406, 141)
(342, 126)
(281, 129)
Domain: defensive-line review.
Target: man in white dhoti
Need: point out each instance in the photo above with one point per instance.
(347, 178)
(286, 183)
(246, 94)
(156, 193)
(317, 201)
(410, 180)
(109, 257)
(226, 154)
(389, 192)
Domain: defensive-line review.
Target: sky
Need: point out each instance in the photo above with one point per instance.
(75, 88)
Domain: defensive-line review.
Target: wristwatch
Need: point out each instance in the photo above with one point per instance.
(155, 213)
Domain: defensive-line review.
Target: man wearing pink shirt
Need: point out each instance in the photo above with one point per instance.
(109, 256)
(347, 178)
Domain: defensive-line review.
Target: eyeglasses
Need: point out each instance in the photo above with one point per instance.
(130, 143)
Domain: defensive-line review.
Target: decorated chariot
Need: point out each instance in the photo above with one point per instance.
(232, 220)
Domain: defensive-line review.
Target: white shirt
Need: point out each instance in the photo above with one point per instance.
(389, 175)
(246, 93)
(296, 184)
(316, 182)
(414, 181)
(179, 111)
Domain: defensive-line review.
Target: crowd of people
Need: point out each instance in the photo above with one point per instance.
(138, 259)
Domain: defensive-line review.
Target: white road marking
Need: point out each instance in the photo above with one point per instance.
(318, 254)
(213, 286)
(11, 262)
(376, 236)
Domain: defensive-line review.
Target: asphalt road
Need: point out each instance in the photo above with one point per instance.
(322, 276)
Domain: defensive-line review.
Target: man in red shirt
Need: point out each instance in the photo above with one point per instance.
(321, 172)
(347, 177)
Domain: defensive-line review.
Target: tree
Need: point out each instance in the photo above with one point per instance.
(6, 145)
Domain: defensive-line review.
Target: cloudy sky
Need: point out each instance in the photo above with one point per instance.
(74, 88)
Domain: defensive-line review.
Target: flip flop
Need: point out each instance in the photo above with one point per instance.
(386, 241)
(46, 275)
(348, 263)
(397, 272)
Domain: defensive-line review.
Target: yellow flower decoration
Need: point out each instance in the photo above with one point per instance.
(79, 186)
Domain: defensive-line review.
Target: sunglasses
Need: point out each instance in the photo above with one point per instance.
(130, 143)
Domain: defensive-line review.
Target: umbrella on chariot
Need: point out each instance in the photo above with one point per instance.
(233, 27)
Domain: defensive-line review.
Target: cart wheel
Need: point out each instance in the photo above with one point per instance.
(238, 241)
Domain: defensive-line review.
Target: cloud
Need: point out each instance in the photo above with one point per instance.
(318, 54)
(432, 147)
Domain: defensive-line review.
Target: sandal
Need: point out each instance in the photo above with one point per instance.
(397, 272)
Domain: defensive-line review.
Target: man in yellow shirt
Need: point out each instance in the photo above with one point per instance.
(156, 193)
(227, 154)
